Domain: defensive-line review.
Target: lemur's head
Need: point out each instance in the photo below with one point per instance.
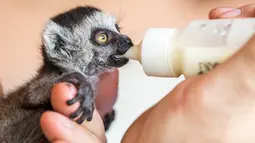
(85, 39)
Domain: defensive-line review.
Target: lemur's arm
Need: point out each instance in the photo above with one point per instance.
(38, 93)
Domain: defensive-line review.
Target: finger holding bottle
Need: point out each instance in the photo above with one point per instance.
(232, 12)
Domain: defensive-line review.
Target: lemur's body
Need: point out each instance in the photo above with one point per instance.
(77, 47)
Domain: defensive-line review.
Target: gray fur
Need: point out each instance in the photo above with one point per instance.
(77, 61)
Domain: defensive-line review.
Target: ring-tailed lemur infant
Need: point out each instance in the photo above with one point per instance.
(77, 46)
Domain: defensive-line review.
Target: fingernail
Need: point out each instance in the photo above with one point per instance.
(223, 9)
(71, 87)
(231, 13)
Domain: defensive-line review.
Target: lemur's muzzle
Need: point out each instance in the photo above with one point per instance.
(123, 45)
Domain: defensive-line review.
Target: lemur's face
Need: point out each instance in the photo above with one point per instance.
(108, 44)
(85, 37)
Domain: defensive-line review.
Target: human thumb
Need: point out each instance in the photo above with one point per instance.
(243, 61)
(237, 73)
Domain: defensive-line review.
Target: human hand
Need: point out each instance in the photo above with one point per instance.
(217, 107)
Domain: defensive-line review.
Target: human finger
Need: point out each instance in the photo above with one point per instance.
(62, 92)
(228, 12)
(57, 127)
(214, 13)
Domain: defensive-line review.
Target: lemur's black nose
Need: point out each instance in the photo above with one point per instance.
(129, 41)
(124, 44)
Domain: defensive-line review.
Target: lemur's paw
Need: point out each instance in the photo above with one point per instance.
(84, 96)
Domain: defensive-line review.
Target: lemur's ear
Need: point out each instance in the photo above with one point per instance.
(52, 34)
(55, 38)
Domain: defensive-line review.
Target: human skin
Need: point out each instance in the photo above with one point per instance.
(214, 107)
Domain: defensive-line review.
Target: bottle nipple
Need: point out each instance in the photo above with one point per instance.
(134, 53)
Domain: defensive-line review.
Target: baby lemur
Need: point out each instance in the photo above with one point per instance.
(77, 46)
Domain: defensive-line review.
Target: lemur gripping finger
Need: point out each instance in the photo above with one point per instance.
(77, 46)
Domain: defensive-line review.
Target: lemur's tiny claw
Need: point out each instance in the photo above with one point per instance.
(89, 118)
(82, 118)
(72, 101)
(76, 114)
